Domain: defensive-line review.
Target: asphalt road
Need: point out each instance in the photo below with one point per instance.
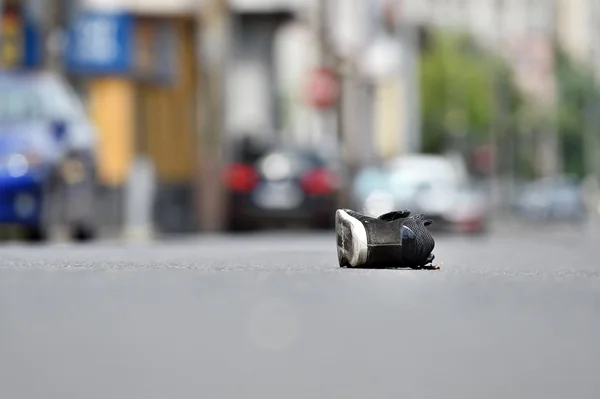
(515, 315)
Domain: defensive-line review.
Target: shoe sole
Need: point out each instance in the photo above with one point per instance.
(352, 247)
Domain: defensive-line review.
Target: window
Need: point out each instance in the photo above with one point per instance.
(59, 101)
(28, 100)
(18, 104)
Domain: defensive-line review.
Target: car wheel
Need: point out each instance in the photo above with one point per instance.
(238, 225)
(35, 234)
(324, 222)
(83, 232)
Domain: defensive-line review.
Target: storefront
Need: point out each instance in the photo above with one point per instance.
(140, 74)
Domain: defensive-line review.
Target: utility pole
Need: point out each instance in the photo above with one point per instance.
(589, 140)
(328, 58)
(322, 16)
(52, 35)
(592, 129)
(552, 145)
(495, 135)
(410, 71)
(214, 47)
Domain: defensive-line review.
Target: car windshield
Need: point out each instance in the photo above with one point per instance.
(409, 178)
(29, 100)
(407, 186)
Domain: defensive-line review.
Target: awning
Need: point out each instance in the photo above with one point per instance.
(266, 6)
(154, 7)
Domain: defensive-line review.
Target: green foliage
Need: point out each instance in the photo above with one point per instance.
(466, 92)
(576, 91)
(462, 88)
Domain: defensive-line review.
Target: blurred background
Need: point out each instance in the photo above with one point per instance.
(142, 118)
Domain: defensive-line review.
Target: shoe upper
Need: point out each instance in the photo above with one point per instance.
(417, 241)
(398, 238)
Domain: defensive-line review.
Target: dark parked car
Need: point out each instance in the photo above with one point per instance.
(47, 157)
(282, 185)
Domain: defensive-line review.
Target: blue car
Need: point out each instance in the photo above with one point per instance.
(47, 157)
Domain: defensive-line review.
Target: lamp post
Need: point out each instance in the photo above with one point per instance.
(348, 36)
(213, 42)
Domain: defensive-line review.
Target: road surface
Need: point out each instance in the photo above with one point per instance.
(272, 316)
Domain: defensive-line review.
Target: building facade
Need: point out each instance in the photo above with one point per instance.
(523, 31)
(578, 31)
(277, 46)
(138, 64)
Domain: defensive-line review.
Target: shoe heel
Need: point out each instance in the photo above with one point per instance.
(352, 247)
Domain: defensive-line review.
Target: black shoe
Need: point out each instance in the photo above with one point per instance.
(394, 239)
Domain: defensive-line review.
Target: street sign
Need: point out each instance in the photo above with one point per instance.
(100, 43)
(116, 43)
(323, 88)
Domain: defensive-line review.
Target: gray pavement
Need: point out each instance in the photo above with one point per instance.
(513, 315)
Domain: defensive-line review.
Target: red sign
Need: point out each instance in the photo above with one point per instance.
(323, 88)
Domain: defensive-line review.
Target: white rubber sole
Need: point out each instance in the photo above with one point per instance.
(352, 246)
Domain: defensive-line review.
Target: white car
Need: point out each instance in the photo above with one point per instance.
(435, 185)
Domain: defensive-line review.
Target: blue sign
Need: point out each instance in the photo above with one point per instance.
(100, 43)
(33, 54)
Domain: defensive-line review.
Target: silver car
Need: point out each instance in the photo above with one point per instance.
(435, 185)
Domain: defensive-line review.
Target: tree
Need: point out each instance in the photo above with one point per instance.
(465, 92)
(578, 96)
